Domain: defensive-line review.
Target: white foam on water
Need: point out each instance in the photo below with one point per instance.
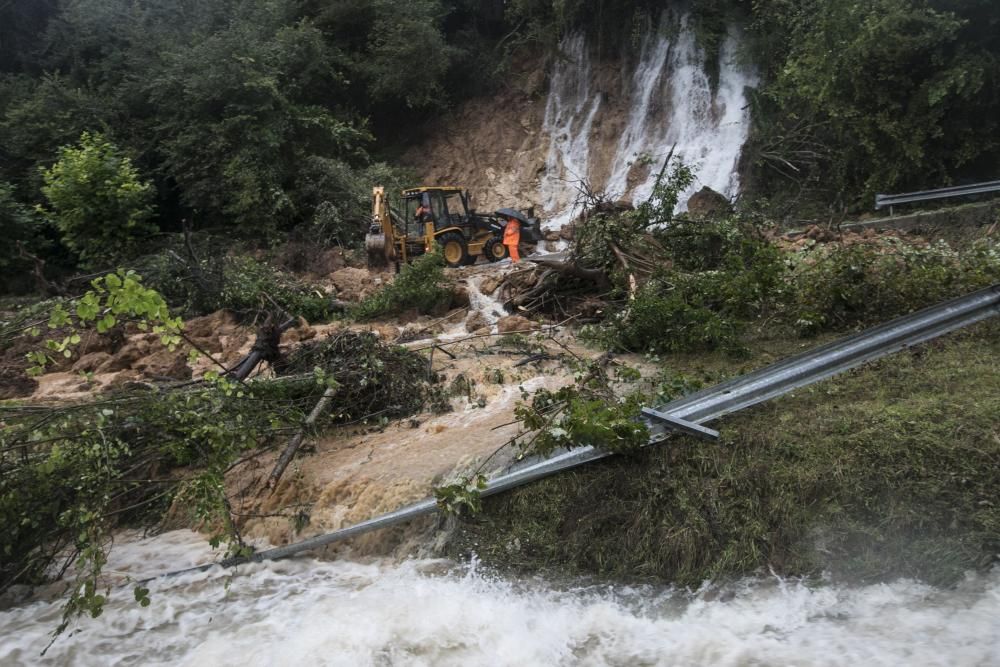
(485, 304)
(425, 612)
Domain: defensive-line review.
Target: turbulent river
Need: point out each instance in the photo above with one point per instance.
(431, 612)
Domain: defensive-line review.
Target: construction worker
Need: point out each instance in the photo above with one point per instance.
(512, 238)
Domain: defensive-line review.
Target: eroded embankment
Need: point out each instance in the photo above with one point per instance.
(887, 471)
(353, 474)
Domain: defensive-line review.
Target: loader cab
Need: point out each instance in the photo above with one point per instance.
(448, 206)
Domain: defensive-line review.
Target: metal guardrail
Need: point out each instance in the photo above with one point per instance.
(881, 201)
(736, 394)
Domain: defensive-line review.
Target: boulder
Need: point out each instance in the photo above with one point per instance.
(164, 364)
(460, 297)
(552, 235)
(386, 332)
(490, 284)
(707, 203)
(817, 233)
(515, 323)
(110, 342)
(89, 363)
(567, 232)
(476, 322)
(210, 327)
(120, 380)
(126, 357)
(300, 332)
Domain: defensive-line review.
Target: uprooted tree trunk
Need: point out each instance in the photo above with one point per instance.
(557, 277)
(265, 348)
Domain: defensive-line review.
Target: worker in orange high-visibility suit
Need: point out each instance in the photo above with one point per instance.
(512, 238)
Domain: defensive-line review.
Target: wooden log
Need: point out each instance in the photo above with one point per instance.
(296, 441)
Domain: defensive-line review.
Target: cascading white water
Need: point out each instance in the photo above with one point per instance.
(708, 127)
(432, 613)
(570, 111)
(668, 100)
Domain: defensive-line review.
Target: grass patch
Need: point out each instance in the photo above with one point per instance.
(890, 470)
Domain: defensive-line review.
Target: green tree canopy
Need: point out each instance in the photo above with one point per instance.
(883, 94)
(98, 201)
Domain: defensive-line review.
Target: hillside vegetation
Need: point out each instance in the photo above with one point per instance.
(263, 120)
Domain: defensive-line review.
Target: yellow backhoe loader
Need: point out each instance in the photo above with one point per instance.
(429, 216)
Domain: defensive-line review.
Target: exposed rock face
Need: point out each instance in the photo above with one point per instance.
(601, 121)
(515, 323)
(707, 203)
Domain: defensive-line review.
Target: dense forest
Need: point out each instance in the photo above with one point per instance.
(123, 121)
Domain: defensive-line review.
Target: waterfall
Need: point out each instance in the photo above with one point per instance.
(570, 111)
(666, 99)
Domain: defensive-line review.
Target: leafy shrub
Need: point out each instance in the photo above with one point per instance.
(605, 231)
(577, 416)
(99, 202)
(18, 223)
(373, 378)
(98, 463)
(238, 282)
(337, 199)
(419, 286)
(661, 319)
(842, 286)
(114, 298)
(247, 281)
(717, 276)
(68, 476)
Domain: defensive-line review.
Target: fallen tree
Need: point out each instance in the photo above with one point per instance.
(71, 473)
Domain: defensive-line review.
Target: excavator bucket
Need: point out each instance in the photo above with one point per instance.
(379, 244)
(375, 247)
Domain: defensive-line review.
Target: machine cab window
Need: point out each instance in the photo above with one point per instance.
(456, 208)
(426, 207)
